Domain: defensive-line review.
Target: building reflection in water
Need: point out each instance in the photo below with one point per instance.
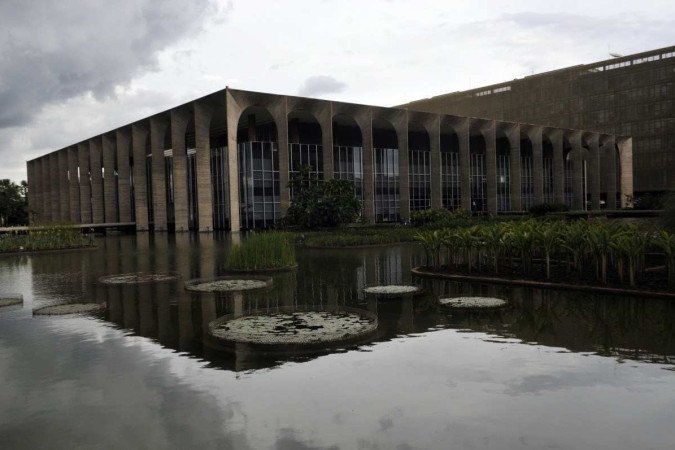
(623, 328)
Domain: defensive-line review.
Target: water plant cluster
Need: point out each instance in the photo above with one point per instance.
(537, 248)
(263, 251)
(362, 236)
(54, 237)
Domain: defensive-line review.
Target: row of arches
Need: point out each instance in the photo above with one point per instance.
(173, 170)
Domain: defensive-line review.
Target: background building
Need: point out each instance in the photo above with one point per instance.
(224, 161)
(630, 96)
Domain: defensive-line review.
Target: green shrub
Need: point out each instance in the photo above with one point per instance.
(321, 204)
(441, 217)
(56, 237)
(668, 215)
(545, 208)
(360, 237)
(263, 251)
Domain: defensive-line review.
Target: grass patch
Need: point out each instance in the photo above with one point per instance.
(263, 251)
(48, 238)
(357, 237)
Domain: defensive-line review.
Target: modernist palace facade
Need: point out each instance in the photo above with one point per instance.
(224, 162)
(632, 95)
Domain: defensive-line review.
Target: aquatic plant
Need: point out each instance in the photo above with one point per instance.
(263, 251)
(54, 237)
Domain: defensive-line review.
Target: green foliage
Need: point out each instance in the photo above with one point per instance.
(263, 251)
(544, 208)
(47, 238)
(321, 204)
(668, 215)
(440, 218)
(356, 237)
(535, 246)
(13, 203)
(649, 201)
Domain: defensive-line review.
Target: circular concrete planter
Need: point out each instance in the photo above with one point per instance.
(393, 290)
(294, 328)
(230, 283)
(69, 308)
(139, 278)
(473, 302)
(10, 300)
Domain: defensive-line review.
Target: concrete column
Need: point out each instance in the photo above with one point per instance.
(85, 182)
(46, 190)
(179, 122)
(123, 143)
(626, 161)
(536, 139)
(97, 206)
(558, 167)
(34, 201)
(434, 130)
(401, 127)
(280, 115)
(30, 197)
(232, 112)
(515, 179)
(158, 128)
(73, 185)
(109, 180)
(365, 121)
(203, 116)
(489, 134)
(578, 202)
(325, 118)
(64, 194)
(139, 137)
(593, 170)
(54, 182)
(464, 139)
(610, 173)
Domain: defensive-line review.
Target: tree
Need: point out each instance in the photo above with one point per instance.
(13, 203)
(321, 204)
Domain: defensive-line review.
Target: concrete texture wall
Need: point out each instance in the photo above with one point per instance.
(93, 198)
(629, 96)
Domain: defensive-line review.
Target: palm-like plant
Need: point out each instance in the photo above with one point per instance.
(601, 241)
(666, 241)
(549, 240)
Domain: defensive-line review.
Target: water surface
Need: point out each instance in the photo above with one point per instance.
(552, 370)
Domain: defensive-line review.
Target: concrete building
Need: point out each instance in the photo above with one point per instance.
(630, 96)
(224, 161)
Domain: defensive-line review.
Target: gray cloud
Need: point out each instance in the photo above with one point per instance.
(55, 50)
(321, 84)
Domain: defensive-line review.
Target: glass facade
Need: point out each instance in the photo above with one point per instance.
(568, 179)
(259, 194)
(348, 165)
(503, 182)
(419, 175)
(301, 155)
(387, 185)
(548, 179)
(219, 180)
(526, 182)
(192, 187)
(168, 183)
(148, 183)
(450, 185)
(478, 182)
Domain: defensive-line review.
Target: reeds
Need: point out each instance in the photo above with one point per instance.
(55, 237)
(529, 247)
(263, 251)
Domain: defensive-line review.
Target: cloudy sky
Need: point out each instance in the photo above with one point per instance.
(70, 69)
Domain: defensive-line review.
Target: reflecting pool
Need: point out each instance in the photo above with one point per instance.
(552, 369)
